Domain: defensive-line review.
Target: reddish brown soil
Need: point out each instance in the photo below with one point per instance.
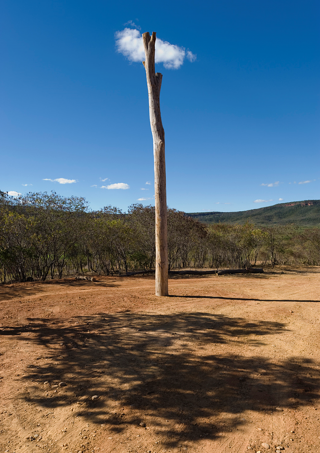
(223, 365)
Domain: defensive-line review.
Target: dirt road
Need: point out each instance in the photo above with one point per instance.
(225, 364)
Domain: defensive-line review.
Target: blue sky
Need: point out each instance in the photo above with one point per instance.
(241, 121)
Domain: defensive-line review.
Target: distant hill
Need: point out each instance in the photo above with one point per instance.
(303, 213)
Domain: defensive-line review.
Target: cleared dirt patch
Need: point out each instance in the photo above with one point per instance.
(225, 364)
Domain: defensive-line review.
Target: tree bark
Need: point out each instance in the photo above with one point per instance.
(154, 86)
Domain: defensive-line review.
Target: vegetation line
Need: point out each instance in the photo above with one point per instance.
(48, 236)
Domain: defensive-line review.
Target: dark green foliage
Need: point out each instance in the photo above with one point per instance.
(45, 235)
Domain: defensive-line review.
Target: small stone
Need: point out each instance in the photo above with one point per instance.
(95, 397)
(142, 424)
(279, 448)
(62, 384)
(265, 445)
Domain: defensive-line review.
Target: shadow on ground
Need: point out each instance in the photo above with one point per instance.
(163, 367)
(243, 298)
(28, 289)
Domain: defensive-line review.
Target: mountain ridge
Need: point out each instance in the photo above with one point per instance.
(302, 213)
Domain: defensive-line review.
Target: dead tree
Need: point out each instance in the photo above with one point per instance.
(154, 86)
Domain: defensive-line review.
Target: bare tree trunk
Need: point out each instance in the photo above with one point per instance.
(154, 86)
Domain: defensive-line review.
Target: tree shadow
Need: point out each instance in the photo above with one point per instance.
(28, 289)
(162, 367)
(292, 270)
(243, 298)
(212, 275)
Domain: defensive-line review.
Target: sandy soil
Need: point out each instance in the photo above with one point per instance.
(225, 364)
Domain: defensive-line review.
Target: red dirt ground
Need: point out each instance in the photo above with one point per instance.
(225, 364)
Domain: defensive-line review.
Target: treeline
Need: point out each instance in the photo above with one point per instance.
(49, 236)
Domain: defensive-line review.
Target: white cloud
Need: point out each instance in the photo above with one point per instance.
(65, 181)
(143, 199)
(280, 199)
(25, 185)
(119, 185)
(304, 182)
(132, 24)
(143, 188)
(13, 193)
(94, 185)
(61, 180)
(191, 56)
(103, 180)
(271, 184)
(149, 183)
(261, 201)
(129, 43)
